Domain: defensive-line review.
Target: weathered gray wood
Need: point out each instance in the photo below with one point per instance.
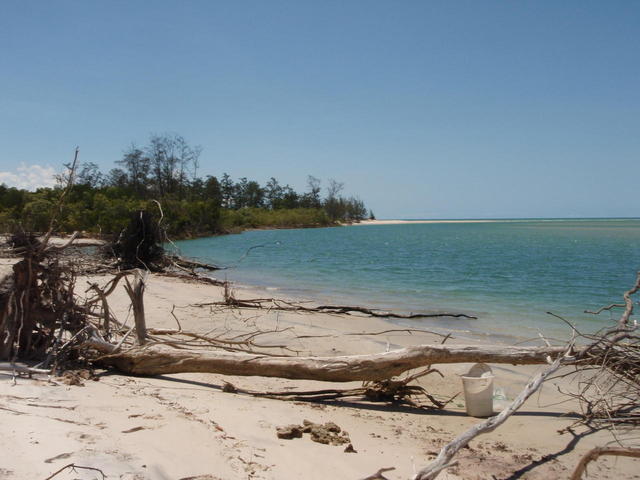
(136, 294)
(20, 368)
(158, 359)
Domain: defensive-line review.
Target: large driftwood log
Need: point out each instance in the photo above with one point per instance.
(158, 359)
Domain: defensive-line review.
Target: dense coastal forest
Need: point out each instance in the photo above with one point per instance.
(166, 172)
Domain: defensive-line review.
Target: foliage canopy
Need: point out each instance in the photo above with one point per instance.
(166, 170)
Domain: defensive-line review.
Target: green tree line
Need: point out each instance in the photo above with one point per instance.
(166, 171)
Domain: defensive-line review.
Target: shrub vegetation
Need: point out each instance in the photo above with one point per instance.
(166, 171)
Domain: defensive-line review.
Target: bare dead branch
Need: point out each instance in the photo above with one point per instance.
(366, 334)
(597, 452)
(21, 368)
(61, 200)
(73, 467)
(379, 474)
(283, 305)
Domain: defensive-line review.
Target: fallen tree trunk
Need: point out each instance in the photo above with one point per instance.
(158, 359)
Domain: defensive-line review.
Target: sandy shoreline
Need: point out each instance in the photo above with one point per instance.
(405, 222)
(185, 426)
(480, 220)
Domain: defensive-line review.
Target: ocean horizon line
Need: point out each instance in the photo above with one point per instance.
(496, 219)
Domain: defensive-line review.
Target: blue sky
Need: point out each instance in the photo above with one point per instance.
(425, 109)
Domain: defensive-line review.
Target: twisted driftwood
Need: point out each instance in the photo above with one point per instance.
(597, 452)
(278, 304)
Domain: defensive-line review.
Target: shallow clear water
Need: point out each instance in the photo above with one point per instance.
(507, 273)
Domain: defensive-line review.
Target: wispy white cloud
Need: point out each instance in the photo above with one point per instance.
(29, 177)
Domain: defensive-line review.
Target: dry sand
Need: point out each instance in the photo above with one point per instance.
(184, 426)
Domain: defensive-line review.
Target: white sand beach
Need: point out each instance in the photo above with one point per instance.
(185, 427)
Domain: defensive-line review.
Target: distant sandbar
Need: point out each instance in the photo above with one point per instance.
(400, 222)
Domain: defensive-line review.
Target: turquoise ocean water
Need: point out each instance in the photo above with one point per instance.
(508, 273)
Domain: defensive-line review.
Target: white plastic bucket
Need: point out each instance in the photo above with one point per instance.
(478, 390)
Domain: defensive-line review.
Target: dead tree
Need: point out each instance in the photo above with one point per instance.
(608, 370)
(37, 300)
(140, 243)
(136, 295)
(37, 304)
